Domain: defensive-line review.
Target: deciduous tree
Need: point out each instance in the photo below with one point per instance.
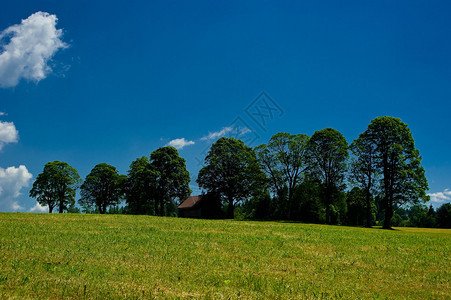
(56, 186)
(399, 163)
(140, 187)
(172, 177)
(231, 171)
(102, 187)
(284, 162)
(363, 169)
(327, 152)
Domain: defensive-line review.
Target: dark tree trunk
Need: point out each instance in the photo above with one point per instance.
(368, 208)
(61, 207)
(327, 202)
(50, 209)
(155, 207)
(388, 213)
(387, 190)
(230, 209)
(327, 214)
(161, 207)
(290, 196)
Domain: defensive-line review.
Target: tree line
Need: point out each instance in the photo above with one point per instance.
(152, 186)
(320, 179)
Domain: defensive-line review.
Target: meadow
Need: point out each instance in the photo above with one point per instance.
(120, 256)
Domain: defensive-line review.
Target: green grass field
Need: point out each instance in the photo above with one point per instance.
(118, 256)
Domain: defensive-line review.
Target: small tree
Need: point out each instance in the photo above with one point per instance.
(102, 188)
(327, 154)
(56, 186)
(232, 172)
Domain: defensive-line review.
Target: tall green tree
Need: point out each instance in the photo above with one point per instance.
(444, 216)
(284, 162)
(327, 154)
(102, 188)
(231, 171)
(56, 186)
(363, 169)
(172, 177)
(140, 187)
(399, 163)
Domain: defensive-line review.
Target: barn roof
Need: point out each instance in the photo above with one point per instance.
(190, 202)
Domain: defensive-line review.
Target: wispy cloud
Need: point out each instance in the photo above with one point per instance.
(8, 133)
(234, 131)
(244, 130)
(180, 143)
(3, 114)
(27, 47)
(441, 197)
(217, 134)
(12, 180)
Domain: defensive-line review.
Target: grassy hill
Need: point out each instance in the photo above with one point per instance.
(118, 256)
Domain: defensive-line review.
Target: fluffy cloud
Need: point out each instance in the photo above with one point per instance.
(12, 180)
(32, 43)
(8, 133)
(180, 143)
(441, 197)
(39, 208)
(217, 134)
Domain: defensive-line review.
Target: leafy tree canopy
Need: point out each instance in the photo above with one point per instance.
(327, 154)
(283, 160)
(399, 163)
(56, 186)
(231, 171)
(140, 187)
(172, 177)
(102, 187)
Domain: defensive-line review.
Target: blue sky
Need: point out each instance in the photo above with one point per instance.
(122, 79)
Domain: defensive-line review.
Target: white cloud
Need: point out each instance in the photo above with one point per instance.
(3, 114)
(12, 180)
(180, 143)
(39, 208)
(15, 206)
(32, 43)
(441, 197)
(244, 130)
(8, 133)
(217, 134)
(234, 131)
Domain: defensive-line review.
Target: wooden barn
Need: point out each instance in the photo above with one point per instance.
(201, 206)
